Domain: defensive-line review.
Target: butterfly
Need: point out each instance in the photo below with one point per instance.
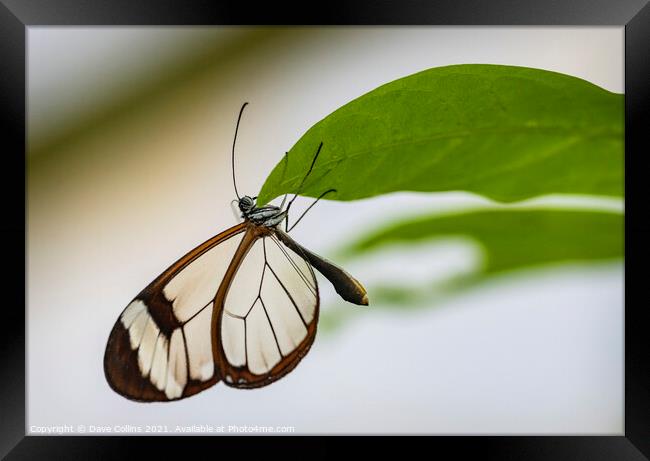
(241, 308)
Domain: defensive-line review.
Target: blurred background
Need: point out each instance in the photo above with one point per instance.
(129, 136)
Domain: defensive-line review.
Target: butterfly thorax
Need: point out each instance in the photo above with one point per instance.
(267, 215)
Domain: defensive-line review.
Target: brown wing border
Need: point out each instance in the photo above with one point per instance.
(120, 361)
(241, 377)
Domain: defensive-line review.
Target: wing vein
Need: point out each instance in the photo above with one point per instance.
(245, 345)
(187, 356)
(266, 263)
(195, 314)
(252, 306)
(290, 297)
(235, 316)
(295, 266)
(275, 337)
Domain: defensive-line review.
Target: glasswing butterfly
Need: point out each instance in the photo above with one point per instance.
(241, 308)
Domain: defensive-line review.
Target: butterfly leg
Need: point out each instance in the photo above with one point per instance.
(311, 167)
(305, 212)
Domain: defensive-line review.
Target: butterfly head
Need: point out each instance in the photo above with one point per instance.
(246, 204)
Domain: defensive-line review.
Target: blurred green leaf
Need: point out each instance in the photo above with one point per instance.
(513, 238)
(508, 133)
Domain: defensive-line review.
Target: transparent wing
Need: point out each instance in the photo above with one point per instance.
(269, 315)
(161, 346)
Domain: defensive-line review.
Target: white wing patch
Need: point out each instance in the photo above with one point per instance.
(199, 345)
(147, 346)
(158, 372)
(233, 339)
(271, 301)
(196, 285)
(263, 353)
(164, 361)
(245, 287)
(132, 312)
(176, 366)
(287, 323)
(137, 326)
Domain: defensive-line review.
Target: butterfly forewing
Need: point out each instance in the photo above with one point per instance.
(267, 314)
(161, 347)
(242, 307)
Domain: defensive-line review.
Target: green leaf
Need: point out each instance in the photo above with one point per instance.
(514, 238)
(507, 133)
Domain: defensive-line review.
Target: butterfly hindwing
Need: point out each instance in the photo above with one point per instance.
(267, 314)
(160, 348)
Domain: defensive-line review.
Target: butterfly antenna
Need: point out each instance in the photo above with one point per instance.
(235, 209)
(284, 199)
(234, 181)
(308, 208)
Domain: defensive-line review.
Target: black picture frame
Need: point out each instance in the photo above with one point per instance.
(634, 15)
